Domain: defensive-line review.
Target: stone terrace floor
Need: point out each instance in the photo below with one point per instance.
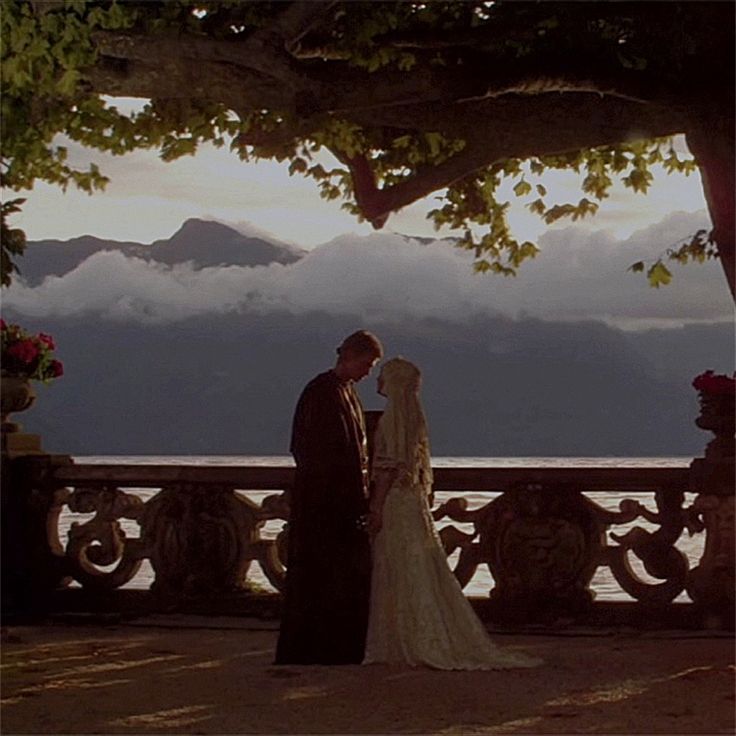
(183, 674)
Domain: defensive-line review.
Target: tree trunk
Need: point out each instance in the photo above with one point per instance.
(711, 141)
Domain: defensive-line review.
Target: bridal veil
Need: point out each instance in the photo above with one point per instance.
(403, 442)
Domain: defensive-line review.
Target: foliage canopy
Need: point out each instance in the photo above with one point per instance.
(411, 98)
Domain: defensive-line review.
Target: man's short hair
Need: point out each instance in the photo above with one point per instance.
(361, 342)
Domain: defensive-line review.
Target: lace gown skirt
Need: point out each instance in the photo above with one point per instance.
(419, 614)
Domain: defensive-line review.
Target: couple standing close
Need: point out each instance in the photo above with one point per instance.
(367, 578)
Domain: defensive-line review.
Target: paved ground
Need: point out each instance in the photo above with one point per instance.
(196, 675)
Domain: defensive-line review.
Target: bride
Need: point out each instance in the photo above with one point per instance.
(418, 612)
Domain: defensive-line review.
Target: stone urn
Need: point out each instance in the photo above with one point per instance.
(713, 477)
(717, 397)
(16, 395)
(717, 415)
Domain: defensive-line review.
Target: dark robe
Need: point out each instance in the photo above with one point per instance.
(325, 611)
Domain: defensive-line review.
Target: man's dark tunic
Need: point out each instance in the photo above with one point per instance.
(325, 613)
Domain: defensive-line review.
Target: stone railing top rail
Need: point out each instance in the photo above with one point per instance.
(633, 480)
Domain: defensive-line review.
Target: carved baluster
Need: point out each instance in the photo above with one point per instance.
(271, 553)
(199, 539)
(453, 538)
(656, 550)
(543, 545)
(101, 541)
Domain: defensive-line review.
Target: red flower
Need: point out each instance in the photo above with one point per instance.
(25, 350)
(28, 356)
(3, 326)
(47, 340)
(709, 383)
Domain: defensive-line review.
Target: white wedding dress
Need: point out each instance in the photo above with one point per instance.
(419, 615)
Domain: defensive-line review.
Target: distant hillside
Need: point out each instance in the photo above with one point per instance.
(227, 384)
(209, 243)
(203, 242)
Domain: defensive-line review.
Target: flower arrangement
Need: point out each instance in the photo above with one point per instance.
(28, 356)
(709, 383)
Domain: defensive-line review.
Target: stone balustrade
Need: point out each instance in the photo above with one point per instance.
(542, 534)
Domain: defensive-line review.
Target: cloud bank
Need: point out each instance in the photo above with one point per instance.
(578, 275)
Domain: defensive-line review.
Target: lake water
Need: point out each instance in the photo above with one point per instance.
(604, 585)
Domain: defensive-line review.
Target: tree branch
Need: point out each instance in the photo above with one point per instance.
(299, 19)
(495, 130)
(264, 51)
(155, 78)
(711, 141)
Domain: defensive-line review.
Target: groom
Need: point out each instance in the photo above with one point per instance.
(325, 612)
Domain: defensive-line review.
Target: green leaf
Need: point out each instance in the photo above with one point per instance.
(659, 275)
(528, 250)
(536, 167)
(297, 165)
(522, 188)
(558, 212)
(68, 82)
(537, 206)
(638, 180)
(434, 140)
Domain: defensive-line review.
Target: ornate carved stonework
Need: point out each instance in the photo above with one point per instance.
(542, 545)
(717, 414)
(656, 550)
(197, 538)
(200, 538)
(712, 582)
(540, 535)
(271, 554)
(101, 541)
(16, 395)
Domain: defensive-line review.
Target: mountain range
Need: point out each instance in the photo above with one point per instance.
(492, 387)
(204, 243)
(226, 382)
